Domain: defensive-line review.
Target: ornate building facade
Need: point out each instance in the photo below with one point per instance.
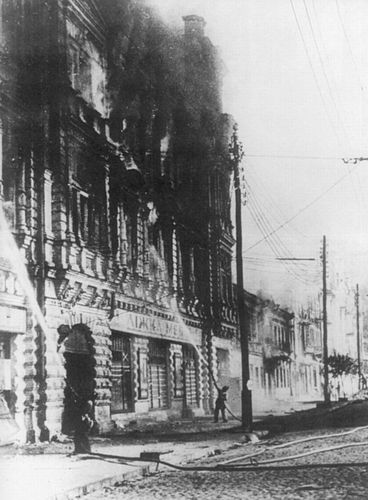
(115, 186)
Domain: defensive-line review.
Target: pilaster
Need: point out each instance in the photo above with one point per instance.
(102, 346)
(24, 359)
(51, 402)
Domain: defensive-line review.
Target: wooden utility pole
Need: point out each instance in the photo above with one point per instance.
(326, 391)
(236, 154)
(358, 335)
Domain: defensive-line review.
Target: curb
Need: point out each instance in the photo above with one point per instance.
(80, 491)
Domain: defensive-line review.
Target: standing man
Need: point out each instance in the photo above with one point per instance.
(83, 425)
(220, 404)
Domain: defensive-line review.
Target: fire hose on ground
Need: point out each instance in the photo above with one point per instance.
(254, 465)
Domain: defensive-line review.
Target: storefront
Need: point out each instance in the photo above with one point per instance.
(156, 371)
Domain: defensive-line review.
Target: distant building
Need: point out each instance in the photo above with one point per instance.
(307, 347)
(342, 331)
(284, 358)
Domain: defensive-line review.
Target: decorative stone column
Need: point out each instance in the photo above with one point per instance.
(200, 377)
(48, 218)
(212, 362)
(140, 243)
(103, 358)
(24, 361)
(21, 211)
(191, 271)
(174, 260)
(107, 198)
(146, 258)
(123, 244)
(51, 400)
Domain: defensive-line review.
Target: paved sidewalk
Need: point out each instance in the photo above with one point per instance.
(57, 476)
(47, 472)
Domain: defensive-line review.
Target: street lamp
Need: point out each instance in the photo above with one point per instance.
(236, 155)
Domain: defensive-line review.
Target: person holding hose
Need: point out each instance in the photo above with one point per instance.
(220, 404)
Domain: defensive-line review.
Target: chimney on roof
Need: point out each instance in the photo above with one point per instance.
(194, 25)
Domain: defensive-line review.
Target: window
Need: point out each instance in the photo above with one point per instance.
(315, 377)
(80, 72)
(263, 381)
(84, 216)
(223, 363)
(87, 217)
(158, 374)
(121, 377)
(178, 375)
(142, 374)
(257, 377)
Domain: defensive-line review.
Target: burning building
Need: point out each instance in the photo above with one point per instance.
(115, 185)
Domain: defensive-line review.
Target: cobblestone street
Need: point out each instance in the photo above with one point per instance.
(320, 483)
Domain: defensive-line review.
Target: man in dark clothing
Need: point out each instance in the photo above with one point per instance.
(220, 404)
(83, 425)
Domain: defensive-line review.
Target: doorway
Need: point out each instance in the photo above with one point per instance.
(80, 374)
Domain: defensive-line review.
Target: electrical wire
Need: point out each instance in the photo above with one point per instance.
(265, 221)
(282, 247)
(333, 127)
(325, 74)
(341, 20)
(265, 226)
(276, 244)
(303, 209)
(269, 241)
(357, 198)
(256, 181)
(271, 245)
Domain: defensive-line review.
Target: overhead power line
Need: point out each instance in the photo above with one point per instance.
(349, 44)
(324, 72)
(301, 210)
(328, 114)
(290, 271)
(275, 243)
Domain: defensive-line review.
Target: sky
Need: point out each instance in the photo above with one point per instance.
(297, 84)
